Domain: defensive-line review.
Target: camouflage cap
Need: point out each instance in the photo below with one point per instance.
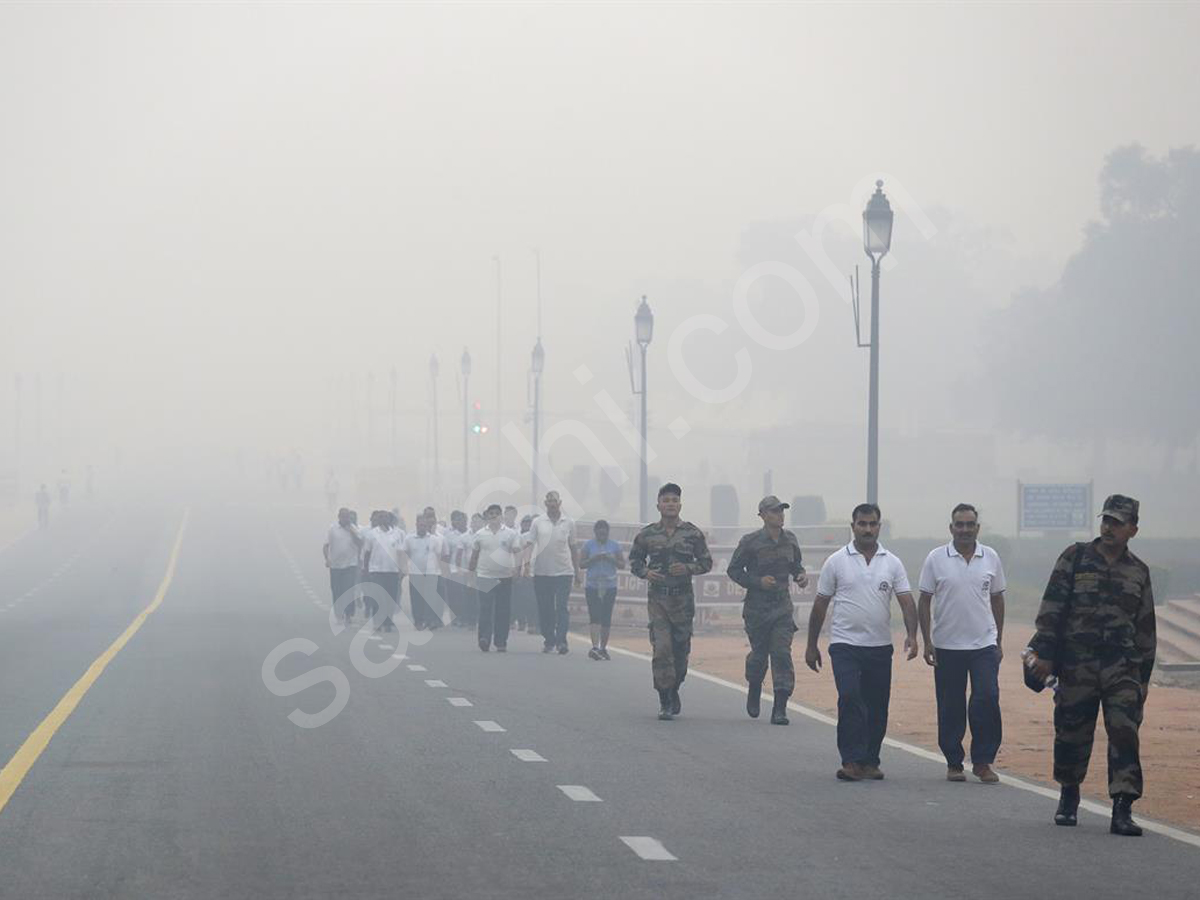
(772, 502)
(1122, 508)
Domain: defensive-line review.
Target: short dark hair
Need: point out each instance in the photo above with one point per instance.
(510, 506)
(495, 507)
(670, 488)
(863, 509)
(964, 507)
(600, 523)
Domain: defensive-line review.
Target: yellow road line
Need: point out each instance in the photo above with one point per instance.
(18, 767)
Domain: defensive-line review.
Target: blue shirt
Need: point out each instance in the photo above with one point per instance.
(603, 574)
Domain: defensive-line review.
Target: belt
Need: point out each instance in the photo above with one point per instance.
(681, 591)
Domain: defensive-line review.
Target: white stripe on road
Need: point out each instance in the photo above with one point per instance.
(435, 682)
(415, 668)
(399, 656)
(648, 848)
(374, 637)
(580, 793)
(528, 755)
(462, 701)
(488, 725)
(387, 646)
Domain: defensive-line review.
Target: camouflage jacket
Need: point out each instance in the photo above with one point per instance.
(758, 555)
(654, 550)
(1108, 608)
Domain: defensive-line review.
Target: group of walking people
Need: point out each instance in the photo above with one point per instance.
(1094, 637)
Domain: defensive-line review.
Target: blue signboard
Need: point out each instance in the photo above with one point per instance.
(1055, 507)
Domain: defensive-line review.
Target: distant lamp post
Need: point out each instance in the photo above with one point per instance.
(433, 375)
(537, 364)
(877, 240)
(466, 376)
(643, 330)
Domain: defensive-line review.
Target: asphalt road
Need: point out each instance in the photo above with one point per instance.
(180, 774)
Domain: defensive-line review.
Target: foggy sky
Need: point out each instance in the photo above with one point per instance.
(208, 211)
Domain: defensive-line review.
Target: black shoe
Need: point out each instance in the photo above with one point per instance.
(1122, 818)
(563, 649)
(779, 710)
(484, 646)
(754, 699)
(502, 648)
(676, 703)
(547, 648)
(604, 654)
(1068, 806)
(664, 706)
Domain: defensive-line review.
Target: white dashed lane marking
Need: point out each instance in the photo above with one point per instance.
(528, 755)
(399, 656)
(387, 646)
(463, 701)
(648, 847)
(435, 682)
(488, 725)
(579, 793)
(416, 668)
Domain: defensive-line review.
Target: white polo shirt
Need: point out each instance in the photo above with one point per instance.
(384, 547)
(962, 596)
(424, 553)
(343, 552)
(497, 552)
(455, 543)
(861, 604)
(551, 543)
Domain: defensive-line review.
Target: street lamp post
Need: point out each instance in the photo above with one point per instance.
(466, 376)
(643, 328)
(877, 240)
(392, 392)
(433, 374)
(537, 363)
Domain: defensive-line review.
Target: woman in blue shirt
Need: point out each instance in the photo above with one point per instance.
(601, 558)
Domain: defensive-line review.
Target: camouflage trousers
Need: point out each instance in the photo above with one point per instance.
(670, 637)
(1088, 684)
(770, 633)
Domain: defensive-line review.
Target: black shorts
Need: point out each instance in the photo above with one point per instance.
(600, 603)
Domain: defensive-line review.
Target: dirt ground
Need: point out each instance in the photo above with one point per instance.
(1170, 731)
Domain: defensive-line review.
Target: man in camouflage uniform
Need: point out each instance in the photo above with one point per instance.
(667, 554)
(1096, 626)
(764, 562)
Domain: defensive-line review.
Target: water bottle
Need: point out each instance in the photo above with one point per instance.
(1029, 657)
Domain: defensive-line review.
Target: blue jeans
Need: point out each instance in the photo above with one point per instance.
(983, 711)
(864, 684)
(553, 615)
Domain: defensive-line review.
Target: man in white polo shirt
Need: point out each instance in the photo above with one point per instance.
(343, 549)
(555, 564)
(963, 581)
(860, 580)
(422, 551)
(493, 559)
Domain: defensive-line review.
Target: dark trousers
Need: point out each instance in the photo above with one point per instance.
(983, 710)
(390, 583)
(341, 586)
(552, 592)
(524, 602)
(864, 684)
(495, 609)
(422, 590)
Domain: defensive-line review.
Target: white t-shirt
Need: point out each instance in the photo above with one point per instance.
(497, 552)
(458, 546)
(423, 553)
(343, 552)
(551, 545)
(962, 596)
(384, 547)
(861, 605)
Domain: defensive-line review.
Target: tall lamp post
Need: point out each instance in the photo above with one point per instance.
(466, 376)
(877, 240)
(643, 329)
(433, 374)
(537, 362)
